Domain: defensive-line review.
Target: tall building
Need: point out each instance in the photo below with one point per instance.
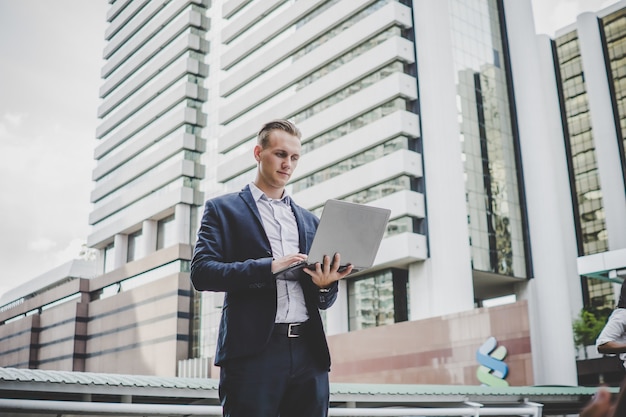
(411, 106)
(590, 58)
(502, 170)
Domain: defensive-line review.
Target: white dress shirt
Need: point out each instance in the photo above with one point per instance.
(614, 330)
(282, 231)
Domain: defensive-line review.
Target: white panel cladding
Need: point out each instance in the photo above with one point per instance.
(443, 170)
(120, 13)
(151, 206)
(230, 7)
(153, 111)
(563, 197)
(252, 15)
(127, 31)
(185, 140)
(143, 163)
(401, 162)
(151, 46)
(402, 203)
(145, 14)
(157, 180)
(553, 355)
(325, 53)
(157, 86)
(154, 28)
(393, 49)
(151, 68)
(120, 250)
(395, 85)
(165, 79)
(389, 127)
(152, 133)
(400, 123)
(400, 250)
(301, 38)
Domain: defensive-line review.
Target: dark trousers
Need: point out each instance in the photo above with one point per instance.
(283, 380)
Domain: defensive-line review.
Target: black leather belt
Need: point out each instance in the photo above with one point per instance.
(289, 329)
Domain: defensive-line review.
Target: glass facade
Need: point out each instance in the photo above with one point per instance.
(614, 28)
(488, 141)
(587, 198)
(378, 299)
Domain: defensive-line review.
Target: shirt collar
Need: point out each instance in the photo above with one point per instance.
(258, 194)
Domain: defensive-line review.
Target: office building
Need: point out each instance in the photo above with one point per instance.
(590, 55)
(453, 114)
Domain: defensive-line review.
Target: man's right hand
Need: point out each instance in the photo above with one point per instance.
(285, 261)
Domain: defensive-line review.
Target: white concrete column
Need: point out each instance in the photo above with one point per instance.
(560, 174)
(603, 129)
(120, 250)
(553, 353)
(149, 231)
(337, 319)
(449, 262)
(182, 221)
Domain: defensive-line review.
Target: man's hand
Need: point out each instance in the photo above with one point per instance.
(326, 273)
(600, 406)
(285, 261)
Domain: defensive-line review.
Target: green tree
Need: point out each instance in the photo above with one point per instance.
(588, 326)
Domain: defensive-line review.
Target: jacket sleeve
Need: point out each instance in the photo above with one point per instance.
(211, 268)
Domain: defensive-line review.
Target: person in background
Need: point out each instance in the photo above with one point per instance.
(612, 338)
(602, 405)
(271, 347)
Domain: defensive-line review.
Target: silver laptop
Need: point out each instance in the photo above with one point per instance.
(352, 230)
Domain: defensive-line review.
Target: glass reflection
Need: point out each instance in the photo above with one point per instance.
(492, 193)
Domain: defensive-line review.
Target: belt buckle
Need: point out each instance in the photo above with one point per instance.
(292, 326)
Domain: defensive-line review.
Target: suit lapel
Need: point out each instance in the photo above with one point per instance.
(246, 195)
(297, 212)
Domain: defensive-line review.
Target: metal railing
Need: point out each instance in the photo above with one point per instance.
(112, 409)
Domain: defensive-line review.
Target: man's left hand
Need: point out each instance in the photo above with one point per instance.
(328, 272)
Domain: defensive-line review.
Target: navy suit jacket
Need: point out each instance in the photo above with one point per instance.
(233, 255)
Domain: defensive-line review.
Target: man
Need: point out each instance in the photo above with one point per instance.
(612, 339)
(271, 347)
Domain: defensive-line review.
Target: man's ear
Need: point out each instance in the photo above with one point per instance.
(257, 152)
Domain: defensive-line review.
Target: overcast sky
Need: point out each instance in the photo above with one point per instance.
(51, 55)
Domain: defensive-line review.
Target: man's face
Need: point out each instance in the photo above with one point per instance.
(277, 162)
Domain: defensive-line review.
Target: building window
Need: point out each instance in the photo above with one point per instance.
(341, 167)
(109, 258)
(488, 139)
(166, 235)
(135, 242)
(378, 299)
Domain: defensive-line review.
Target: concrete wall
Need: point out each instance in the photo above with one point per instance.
(438, 350)
(86, 325)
